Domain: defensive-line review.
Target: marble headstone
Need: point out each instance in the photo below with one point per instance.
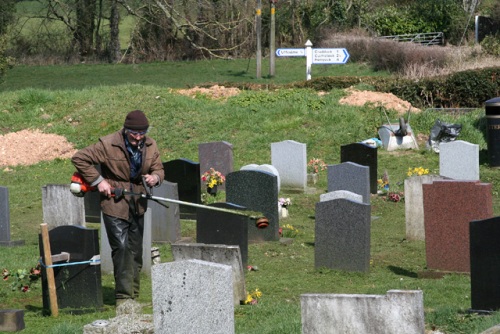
(290, 159)
(165, 216)
(61, 207)
(459, 160)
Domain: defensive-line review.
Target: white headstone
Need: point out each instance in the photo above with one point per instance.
(341, 194)
(61, 207)
(459, 160)
(290, 159)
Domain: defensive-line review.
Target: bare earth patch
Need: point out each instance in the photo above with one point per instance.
(28, 147)
(387, 100)
(215, 92)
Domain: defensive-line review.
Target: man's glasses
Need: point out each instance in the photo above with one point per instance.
(137, 133)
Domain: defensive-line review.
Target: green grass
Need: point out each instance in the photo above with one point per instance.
(250, 121)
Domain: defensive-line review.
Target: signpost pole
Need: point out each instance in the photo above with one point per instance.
(258, 28)
(272, 40)
(308, 59)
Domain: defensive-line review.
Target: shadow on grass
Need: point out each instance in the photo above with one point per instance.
(402, 272)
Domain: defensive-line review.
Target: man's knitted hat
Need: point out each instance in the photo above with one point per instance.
(136, 120)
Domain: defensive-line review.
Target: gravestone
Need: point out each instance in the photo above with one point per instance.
(364, 155)
(290, 159)
(107, 261)
(350, 176)
(61, 207)
(192, 297)
(414, 205)
(165, 216)
(342, 235)
(186, 174)
(218, 155)
(78, 285)
(11, 320)
(222, 254)
(215, 227)
(92, 203)
(449, 206)
(264, 168)
(341, 194)
(399, 311)
(484, 264)
(5, 220)
(459, 160)
(257, 191)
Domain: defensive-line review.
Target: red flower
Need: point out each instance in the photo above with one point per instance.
(25, 288)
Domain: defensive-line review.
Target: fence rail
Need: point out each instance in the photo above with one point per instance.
(428, 38)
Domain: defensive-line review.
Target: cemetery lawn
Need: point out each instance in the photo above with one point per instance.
(250, 121)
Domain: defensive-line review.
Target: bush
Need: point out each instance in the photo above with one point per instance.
(491, 45)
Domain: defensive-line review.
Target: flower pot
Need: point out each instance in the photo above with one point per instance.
(283, 212)
(312, 178)
(212, 191)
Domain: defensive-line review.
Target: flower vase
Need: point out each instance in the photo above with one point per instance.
(212, 191)
(312, 178)
(283, 212)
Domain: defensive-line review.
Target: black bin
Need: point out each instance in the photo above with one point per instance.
(493, 130)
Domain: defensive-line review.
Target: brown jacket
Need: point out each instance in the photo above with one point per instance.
(110, 152)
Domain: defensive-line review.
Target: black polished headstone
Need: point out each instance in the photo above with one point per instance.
(342, 235)
(5, 220)
(362, 154)
(92, 202)
(257, 191)
(485, 264)
(215, 227)
(78, 286)
(217, 155)
(186, 174)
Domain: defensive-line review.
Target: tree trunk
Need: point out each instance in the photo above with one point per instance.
(114, 40)
(85, 26)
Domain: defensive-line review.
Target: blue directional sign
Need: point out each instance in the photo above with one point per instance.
(290, 52)
(329, 56)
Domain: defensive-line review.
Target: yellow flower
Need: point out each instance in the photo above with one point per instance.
(257, 293)
(249, 299)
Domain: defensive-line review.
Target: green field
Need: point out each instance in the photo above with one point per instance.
(97, 97)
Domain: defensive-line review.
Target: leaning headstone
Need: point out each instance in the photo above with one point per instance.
(484, 268)
(193, 297)
(290, 159)
(459, 160)
(165, 216)
(399, 311)
(350, 176)
(5, 220)
(222, 254)
(11, 320)
(449, 206)
(78, 273)
(106, 260)
(362, 154)
(257, 191)
(341, 194)
(60, 207)
(264, 168)
(215, 227)
(342, 235)
(217, 155)
(186, 174)
(414, 205)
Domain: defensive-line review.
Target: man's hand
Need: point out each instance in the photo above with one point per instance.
(104, 188)
(151, 180)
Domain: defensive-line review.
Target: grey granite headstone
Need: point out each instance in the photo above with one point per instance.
(264, 168)
(341, 194)
(350, 176)
(459, 160)
(397, 312)
(414, 205)
(165, 216)
(257, 191)
(217, 155)
(215, 227)
(5, 220)
(186, 174)
(290, 159)
(342, 235)
(484, 268)
(364, 155)
(11, 320)
(223, 254)
(61, 207)
(78, 286)
(107, 262)
(193, 297)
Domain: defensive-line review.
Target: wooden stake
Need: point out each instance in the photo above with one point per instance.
(54, 309)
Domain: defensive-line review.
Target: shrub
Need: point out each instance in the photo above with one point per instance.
(491, 45)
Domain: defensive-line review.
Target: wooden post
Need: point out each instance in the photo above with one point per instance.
(272, 40)
(54, 310)
(258, 29)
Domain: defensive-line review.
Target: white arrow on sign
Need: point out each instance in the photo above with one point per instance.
(290, 52)
(329, 56)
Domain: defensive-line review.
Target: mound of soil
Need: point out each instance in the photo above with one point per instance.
(215, 92)
(28, 147)
(387, 100)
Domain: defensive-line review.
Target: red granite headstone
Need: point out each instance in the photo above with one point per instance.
(449, 206)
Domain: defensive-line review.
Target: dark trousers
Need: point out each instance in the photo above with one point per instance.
(125, 238)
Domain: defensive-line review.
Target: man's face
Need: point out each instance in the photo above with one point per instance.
(135, 137)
